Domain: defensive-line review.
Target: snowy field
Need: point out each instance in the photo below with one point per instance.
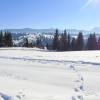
(33, 74)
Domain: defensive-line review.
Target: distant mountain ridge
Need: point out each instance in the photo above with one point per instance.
(96, 29)
(30, 30)
(52, 30)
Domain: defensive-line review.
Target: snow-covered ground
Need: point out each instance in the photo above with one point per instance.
(34, 74)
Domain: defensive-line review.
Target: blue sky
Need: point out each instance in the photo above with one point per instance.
(77, 14)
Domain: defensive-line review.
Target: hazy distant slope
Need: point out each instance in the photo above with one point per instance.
(51, 30)
(96, 29)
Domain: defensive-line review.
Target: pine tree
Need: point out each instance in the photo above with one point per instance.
(26, 43)
(73, 44)
(89, 43)
(56, 40)
(65, 40)
(47, 46)
(8, 42)
(39, 43)
(61, 42)
(5, 38)
(69, 41)
(1, 38)
(92, 42)
(80, 42)
(99, 43)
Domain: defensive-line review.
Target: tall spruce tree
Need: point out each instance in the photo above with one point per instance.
(25, 42)
(73, 44)
(99, 43)
(56, 40)
(80, 42)
(39, 43)
(8, 42)
(92, 42)
(89, 43)
(61, 42)
(69, 42)
(65, 40)
(1, 38)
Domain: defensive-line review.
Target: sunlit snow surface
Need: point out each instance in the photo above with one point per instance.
(34, 74)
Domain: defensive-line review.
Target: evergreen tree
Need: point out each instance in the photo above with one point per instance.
(73, 44)
(1, 39)
(92, 42)
(5, 39)
(99, 43)
(56, 41)
(61, 42)
(65, 40)
(25, 42)
(39, 43)
(80, 42)
(89, 42)
(69, 42)
(8, 42)
(47, 46)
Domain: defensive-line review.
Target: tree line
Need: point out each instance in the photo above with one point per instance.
(6, 39)
(64, 42)
(60, 42)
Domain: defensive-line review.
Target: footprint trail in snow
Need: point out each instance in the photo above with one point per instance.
(79, 85)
